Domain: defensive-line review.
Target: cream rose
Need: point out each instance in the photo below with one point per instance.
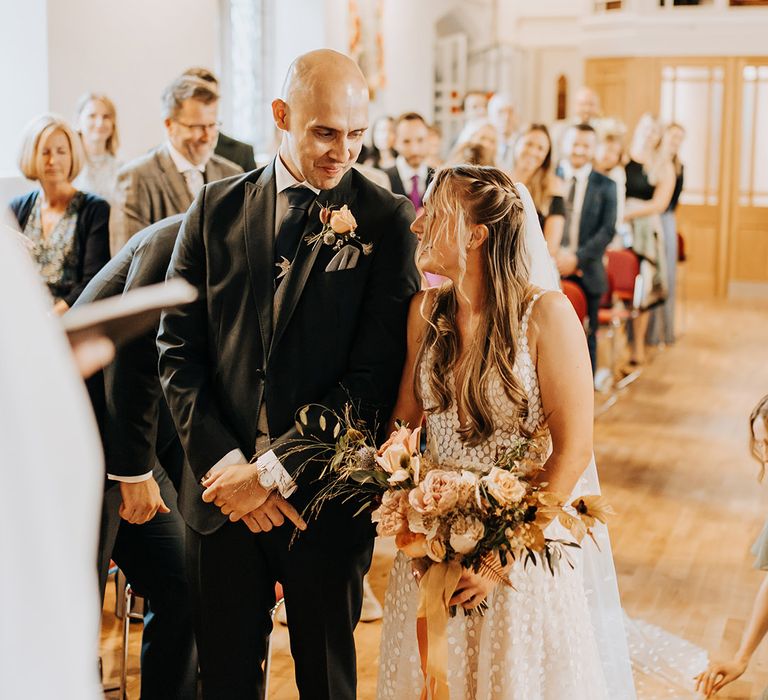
(423, 524)
(466, 532)
(437, 494)
(395, 457)
(342, 220)
(505, 487)
(436, 549)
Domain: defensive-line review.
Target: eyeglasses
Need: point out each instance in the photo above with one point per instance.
(200, 129)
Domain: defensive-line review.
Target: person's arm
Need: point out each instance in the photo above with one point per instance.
(95, 245)
(594, 247)
(662, 196)
(408, 408)
(554, 225)
(131, 211)
(720, 674)
(567, 392)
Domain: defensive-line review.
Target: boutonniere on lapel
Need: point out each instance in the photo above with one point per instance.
(339, 232)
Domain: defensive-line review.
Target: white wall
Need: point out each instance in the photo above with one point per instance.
(22, 42)
(130, 51)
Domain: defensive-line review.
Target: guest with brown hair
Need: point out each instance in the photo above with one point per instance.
(534, 168)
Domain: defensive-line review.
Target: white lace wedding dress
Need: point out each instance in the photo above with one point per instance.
(536, 641)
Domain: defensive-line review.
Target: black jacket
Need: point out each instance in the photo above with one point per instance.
(235, 151)
(398, 187)
(91, 230)
(127, 398)
(340, 336)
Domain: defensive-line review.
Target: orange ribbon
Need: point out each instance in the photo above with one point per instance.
(435, 592)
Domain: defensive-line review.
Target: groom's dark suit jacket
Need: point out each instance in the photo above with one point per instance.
(338, 337)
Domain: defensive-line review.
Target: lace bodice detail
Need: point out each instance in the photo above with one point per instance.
(443, 441)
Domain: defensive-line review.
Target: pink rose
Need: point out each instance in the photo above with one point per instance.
(437, 494)
(342, 220)
(390, 516)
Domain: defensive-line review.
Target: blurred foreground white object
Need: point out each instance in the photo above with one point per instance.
(52, 475)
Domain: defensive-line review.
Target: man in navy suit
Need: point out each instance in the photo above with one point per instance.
(590, 223)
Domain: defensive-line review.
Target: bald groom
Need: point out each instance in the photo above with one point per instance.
(282, 322)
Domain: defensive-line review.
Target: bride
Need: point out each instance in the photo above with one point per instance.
(491, 356)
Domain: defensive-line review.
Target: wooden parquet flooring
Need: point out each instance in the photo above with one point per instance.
(673, 460)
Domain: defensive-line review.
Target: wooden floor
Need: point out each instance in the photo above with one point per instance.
(673, 459)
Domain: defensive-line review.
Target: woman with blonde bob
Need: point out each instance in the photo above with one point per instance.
(492, 357)
(96, 121)
(68, 229)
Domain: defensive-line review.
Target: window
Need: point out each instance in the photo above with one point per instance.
(247, 71)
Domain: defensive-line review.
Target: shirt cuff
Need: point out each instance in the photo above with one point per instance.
(270, 462)
(130, 479)
(235, 456)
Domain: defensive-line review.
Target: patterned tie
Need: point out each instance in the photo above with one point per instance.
(291, 227)
(195, 181)
(414, 196)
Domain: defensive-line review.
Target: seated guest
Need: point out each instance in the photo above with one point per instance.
(477, 133)
(235, 151)
(382, 152)
(534, 168)
(165, 181)
(609, 161)
(96, 121)
(475, 106)
(434, 147)
(503, 115)
(141, 527)
(590, 223)
(411, 175)
(471, 154)
(68, 229)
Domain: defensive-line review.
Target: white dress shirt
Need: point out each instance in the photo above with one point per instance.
(194, 175)
(269, 460)
(582, 177)
(406, 173)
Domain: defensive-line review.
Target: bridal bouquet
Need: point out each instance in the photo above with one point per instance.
(482, 518)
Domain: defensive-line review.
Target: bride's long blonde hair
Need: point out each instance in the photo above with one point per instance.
(465, 196)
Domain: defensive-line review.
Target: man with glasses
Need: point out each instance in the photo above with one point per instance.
(166, 180)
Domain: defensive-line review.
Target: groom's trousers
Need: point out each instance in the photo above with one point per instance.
(234, 574)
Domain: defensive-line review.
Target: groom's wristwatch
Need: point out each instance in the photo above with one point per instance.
(266, 478)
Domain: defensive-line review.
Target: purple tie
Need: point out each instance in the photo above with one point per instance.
(414, 196)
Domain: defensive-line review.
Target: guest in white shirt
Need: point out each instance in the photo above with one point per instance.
(410, 174)
(96, 121)
(610, 161)
(166, 180)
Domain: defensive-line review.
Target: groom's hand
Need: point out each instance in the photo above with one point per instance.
(235, 490)
(141, 501)
(273, 513)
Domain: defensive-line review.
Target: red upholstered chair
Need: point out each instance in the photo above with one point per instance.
(620, 303)
(578, 300)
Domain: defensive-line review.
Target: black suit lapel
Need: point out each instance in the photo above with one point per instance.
(260, 200)
(305, 256)
(395, 181)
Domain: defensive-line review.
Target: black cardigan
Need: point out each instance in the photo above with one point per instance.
(91, 229)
